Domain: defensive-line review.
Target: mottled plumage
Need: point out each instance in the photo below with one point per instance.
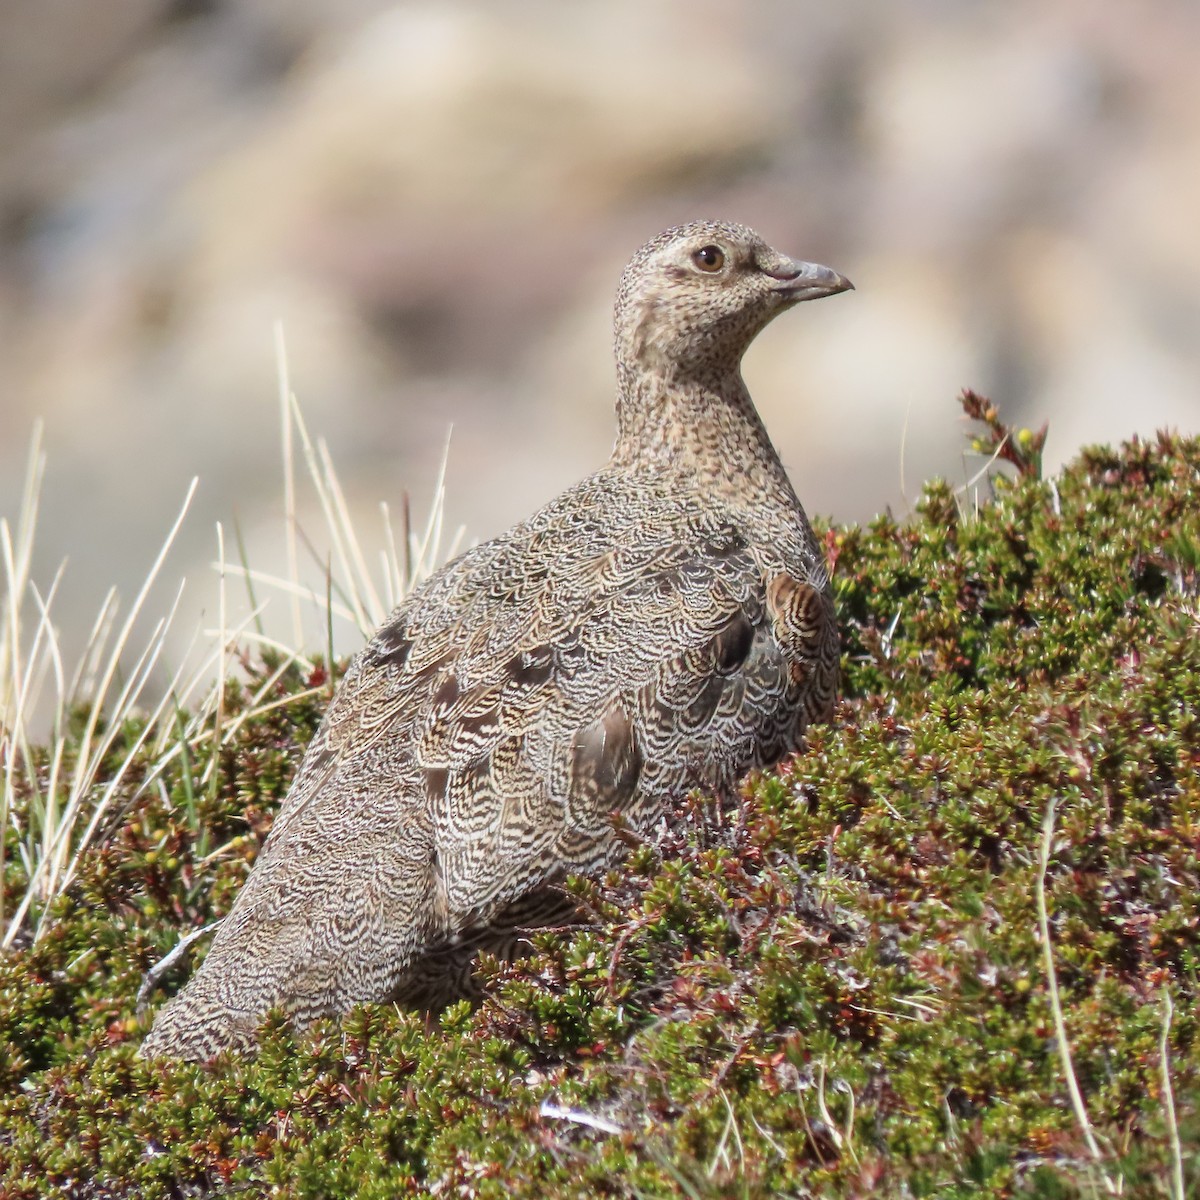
(665, 624)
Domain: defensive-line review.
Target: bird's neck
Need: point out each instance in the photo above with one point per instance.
(705, 427)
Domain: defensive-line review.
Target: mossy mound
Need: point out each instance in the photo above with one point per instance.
(839, 989)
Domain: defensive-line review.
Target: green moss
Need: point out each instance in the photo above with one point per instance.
(836, 989)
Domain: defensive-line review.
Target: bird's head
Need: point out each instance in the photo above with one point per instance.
(692, 299)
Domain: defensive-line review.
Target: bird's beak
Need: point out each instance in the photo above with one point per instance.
(806, 281)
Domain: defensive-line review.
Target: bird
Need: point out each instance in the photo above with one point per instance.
(666, 624)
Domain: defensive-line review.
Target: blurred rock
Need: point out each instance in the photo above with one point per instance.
(436, 199)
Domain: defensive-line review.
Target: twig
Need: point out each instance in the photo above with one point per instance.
(578, 1117)
(164, 964)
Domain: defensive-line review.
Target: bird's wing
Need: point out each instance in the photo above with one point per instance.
(542, 682)
(478, 746)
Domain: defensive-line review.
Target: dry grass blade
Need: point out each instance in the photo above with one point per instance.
(1060, 1025)
(289, 475)
(84, 781)
(210, 776)
(49, 815)
(292, 589)
(18, 554)
(1164, 1058)
(88, 759)
(427, 551)
(395, 578)
(360, 575)
(335, 527)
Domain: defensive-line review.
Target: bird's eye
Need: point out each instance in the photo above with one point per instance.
(709, 258)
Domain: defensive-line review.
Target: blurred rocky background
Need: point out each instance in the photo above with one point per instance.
(437, 198)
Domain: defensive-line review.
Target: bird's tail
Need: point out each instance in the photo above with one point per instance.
(202, 1021)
